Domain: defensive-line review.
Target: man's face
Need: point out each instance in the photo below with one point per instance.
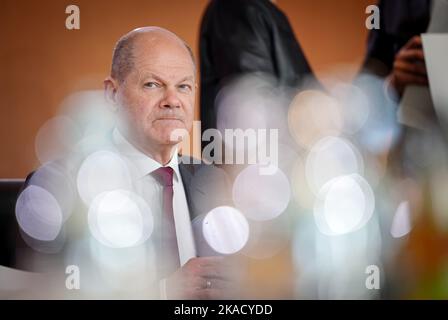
(157, 96)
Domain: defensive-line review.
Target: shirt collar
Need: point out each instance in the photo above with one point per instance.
(144, 164)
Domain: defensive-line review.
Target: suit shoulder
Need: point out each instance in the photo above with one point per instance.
(192, 164)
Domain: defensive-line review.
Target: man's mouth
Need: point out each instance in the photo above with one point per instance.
(169, 118)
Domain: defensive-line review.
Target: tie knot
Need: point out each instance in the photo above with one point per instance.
(164, 175)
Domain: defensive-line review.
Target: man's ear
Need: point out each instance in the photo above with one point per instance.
(110, 91)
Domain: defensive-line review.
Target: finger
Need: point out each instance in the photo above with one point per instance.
(408, 78)
(200, 283)
(414, 68)
(203, 261)
(217, 272)
(414, 42)
(212, 294)
(411, 54)
(208, 283)
(210, 260)
(220, 262)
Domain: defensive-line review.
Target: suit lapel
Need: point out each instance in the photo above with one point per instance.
(187, 172)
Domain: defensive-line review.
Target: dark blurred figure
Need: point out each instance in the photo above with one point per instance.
(241, 37)
(395, 53)
(9, 190)
(395, 50)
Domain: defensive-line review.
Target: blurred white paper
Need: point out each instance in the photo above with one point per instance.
(435, 47)
(416, 107)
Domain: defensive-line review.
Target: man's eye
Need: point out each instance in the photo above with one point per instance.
(151, 85)
(185, 87)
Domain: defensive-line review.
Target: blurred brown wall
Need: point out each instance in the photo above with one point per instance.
(41, 62)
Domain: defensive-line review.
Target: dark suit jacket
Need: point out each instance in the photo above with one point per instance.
(206, 187)
(246, 36)
(9, 190)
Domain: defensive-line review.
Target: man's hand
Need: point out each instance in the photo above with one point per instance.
(201, 278)
(409, 66)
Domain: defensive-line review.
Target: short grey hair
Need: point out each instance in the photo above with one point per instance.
(123, 54)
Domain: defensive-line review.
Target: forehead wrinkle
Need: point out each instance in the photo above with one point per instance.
(165, 72)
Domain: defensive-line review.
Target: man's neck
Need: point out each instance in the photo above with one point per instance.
(160, 153)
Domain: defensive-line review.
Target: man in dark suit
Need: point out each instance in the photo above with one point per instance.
(395, 54)
(395, 49)
(246, 37)
(152, 90)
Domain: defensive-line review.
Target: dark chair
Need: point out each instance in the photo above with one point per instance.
(9, 233)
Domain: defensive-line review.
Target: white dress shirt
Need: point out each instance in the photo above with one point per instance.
(148, 187)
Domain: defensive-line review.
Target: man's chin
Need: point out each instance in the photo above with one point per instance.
(175, 135)
(171, 140)
(169, 136)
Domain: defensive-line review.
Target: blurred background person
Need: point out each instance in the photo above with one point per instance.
(418, 159)
(246, 37)
(395, 50)
(251, 66)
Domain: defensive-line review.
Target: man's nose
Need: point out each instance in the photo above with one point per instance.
(170, 99)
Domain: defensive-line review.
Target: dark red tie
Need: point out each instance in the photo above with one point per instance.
(169, 251)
